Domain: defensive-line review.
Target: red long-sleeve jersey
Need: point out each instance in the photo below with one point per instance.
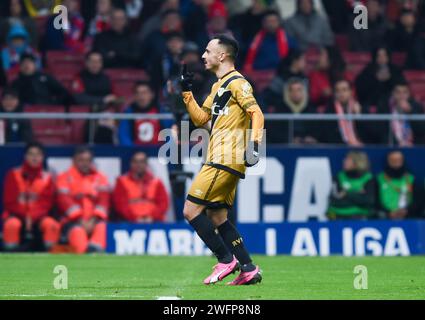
(83, 196)
(135, 198)
(24, 196)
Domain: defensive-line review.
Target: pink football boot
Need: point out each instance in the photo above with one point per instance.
(245, 278)
(222, 270)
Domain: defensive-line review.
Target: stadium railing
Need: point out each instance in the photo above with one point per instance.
(290, 118)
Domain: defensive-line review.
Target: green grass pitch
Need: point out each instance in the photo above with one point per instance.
(30, 276)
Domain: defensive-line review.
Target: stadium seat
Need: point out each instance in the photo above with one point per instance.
(414, 75)
(399, 58)
(59, 62)
(260, 79)
(49, 131)
(78, 125)
(65, 79)
(127, 74)
(356, 57)
(341, 41)
(40, 23)
(418, 90)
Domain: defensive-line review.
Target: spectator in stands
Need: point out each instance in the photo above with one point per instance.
(374, 35)
(197, 18)
(400, 195)
(416, 54)
(83, 200)
(35, 87)
(168, 64)
(71, 38)
(3, 79)
(217, 24)
(338, 13)
(155, 43)
(41, 8)
(405, 32)
(117, 45)
(292, 99)
(293, 66)
(353, 191)
(330, 67)
(308, 27)
(16, 14)
(92, 86)
(28, 199)
(17, 46)
(139, 196)
(141, 131)
(342, 130)
(101, 21)
(270, 44)
(247, 24)
(153, 23)
(405, 133)
(15, 131)
(378, 78)
(103, 131)
(288, 8)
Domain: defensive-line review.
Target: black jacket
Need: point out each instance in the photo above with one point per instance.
(369, 89)
(123, 45)
(41, 88)
(94, 88)
(17, 131)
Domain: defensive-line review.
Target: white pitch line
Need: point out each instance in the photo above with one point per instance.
(70, 296)
(168, 298)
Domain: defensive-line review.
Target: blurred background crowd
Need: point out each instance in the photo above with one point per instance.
(302, 56)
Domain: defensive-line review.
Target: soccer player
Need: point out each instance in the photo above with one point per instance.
(231, 108)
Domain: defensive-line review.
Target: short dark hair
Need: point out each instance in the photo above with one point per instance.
(82, 149)
(34, 144)
(230, 43)
(271, 12)
(401, 82)
(9, 91)
(143, 83)
(27, 56)
(92, 52)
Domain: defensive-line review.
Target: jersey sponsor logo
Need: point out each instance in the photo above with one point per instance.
(246, 89)
(218, 111)
(221, 91)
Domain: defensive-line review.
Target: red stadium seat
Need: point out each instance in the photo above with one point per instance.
(341, 41)
(356, 57)
(41, 23)
(49, 131)
(59, 62)
(260, 79)
(414, 75)
(78, 125)
(399, 58)
(127, 74)
(65, 79)
(418, 90)
(355, 69)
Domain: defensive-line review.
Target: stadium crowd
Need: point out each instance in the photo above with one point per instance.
(302, 56)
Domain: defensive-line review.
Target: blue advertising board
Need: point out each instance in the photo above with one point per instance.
(377, 238)
(294, 186)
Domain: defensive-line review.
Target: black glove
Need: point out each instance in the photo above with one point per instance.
(252, 156)
(186, 80)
